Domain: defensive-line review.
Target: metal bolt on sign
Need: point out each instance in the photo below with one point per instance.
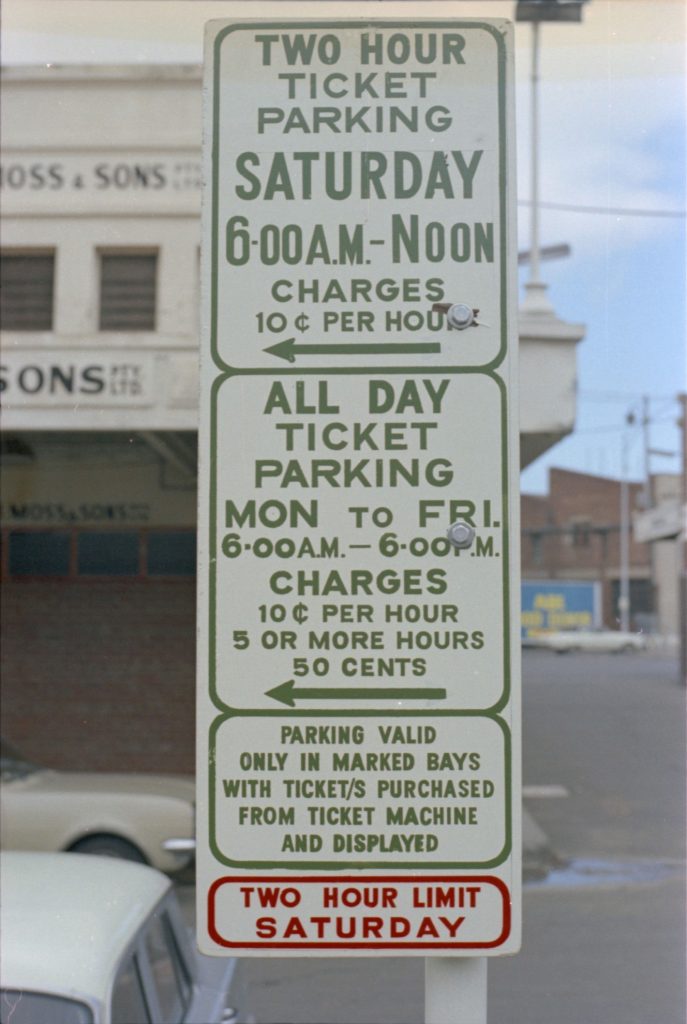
(460, 535)
(458, 314)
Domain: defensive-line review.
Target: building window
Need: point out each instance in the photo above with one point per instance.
(128, 291)
(26, 291)
(581, 534)
(172, 554)
(39, 553)
(537, 548)
(79, 553)
(108, 554)
(641, 596)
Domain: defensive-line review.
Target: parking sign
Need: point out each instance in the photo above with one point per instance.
(358, 685)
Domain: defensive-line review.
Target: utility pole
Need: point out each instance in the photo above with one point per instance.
(646, 420)
(648, 496)
(624, 597)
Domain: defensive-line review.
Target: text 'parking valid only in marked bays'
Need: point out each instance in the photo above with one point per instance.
(333, 567)
(387, 790)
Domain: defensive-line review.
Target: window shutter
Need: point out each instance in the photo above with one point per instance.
(26, 291)
(128, 291)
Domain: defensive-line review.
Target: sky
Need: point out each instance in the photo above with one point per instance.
(612, 185)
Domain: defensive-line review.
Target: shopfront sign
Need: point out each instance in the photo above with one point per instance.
(358, 694)
(63, 378)
(32, 182)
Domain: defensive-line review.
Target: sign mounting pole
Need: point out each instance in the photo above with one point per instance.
(358, 673)
(455, 990)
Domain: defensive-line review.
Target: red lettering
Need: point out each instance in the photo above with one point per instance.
(295, 927)
(427, 927)
(372, 926)
(272, 897)
(330, 896)
(452, 927)
(266, 927)
(399, 926)
(268, 897)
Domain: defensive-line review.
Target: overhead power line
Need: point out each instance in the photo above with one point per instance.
(615, 429)
(618, 427)
(620, 211)
(620, 396)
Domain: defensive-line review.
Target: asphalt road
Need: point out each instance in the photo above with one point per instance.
(604, 936)
(604, 939)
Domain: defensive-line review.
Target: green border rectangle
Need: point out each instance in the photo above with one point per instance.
(299, 865)
(215, 558)
(382, 23)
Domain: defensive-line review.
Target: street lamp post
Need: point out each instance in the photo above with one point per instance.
(682, 398)
(536, 11)
(534, 158)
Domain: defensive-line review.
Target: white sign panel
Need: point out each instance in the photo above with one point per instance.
(661, 522)
(358, 695)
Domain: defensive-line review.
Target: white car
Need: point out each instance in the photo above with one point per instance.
(612, 640)
(145, 818)
(92, 940)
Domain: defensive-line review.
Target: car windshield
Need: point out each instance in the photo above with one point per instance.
(13, 765)
(28, 1007)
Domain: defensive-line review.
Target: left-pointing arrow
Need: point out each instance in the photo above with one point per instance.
(290, 348)
(288, 693)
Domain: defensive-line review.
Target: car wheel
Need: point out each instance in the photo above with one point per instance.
(109, 846)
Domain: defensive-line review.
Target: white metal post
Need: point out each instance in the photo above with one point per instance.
(646, 421)
(536, 300)
(624, 598)
(534, 162)
(456, 990)
(682, 399)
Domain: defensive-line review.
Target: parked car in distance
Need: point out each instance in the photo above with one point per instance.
(612, 640)
(145, 818)
(92, 940)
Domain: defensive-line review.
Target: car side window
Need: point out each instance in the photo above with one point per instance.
(18, 1007)
(128, 1000)
(168, 968)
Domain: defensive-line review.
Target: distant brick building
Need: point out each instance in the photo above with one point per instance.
(573, 533)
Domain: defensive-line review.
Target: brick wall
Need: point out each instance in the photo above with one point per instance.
(574, 533)
(578, 496)
(100, 675)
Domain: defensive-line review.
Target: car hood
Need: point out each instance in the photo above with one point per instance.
(179, 787)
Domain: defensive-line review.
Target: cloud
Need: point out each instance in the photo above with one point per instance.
(617, 144)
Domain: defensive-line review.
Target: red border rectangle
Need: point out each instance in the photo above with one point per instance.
(358, 880)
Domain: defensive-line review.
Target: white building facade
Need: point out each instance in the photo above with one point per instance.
(100, 186)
